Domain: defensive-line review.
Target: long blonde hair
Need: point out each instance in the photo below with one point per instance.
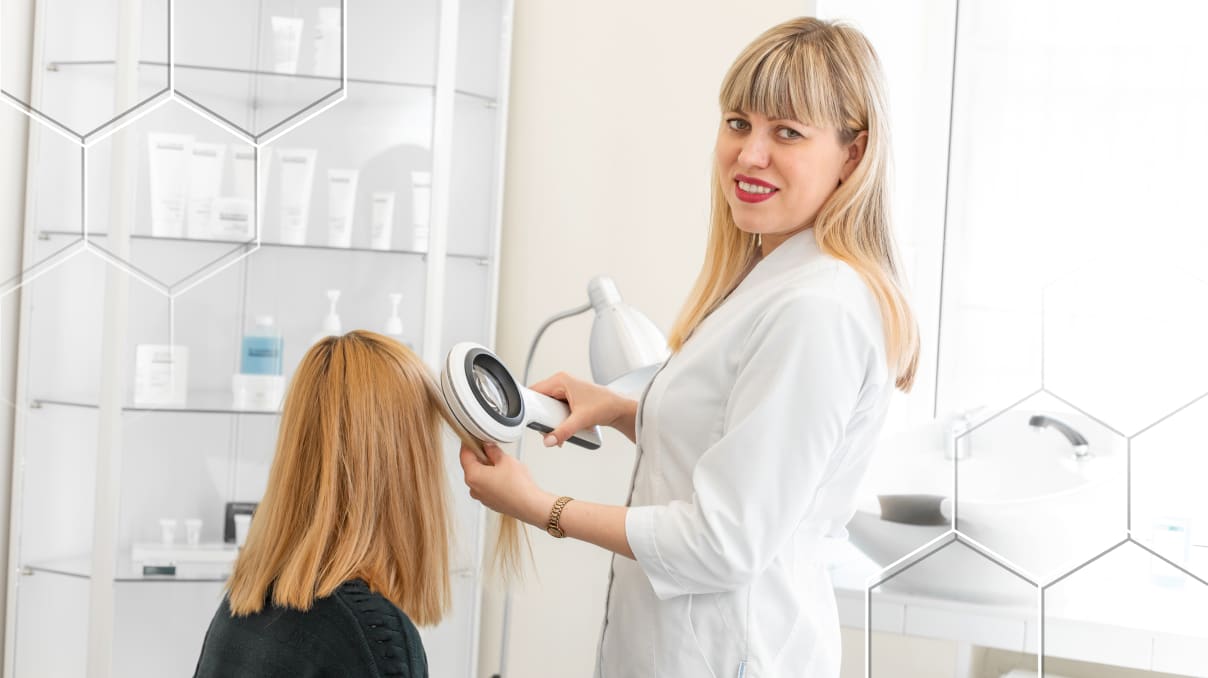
(357, 487)
(827, 75)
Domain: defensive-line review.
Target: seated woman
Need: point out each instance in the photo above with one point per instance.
(350, 544)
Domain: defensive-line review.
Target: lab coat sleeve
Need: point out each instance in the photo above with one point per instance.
(799, 379)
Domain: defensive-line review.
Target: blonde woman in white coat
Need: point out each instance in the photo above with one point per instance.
(754, 435)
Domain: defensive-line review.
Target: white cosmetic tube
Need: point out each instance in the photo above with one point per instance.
(243, 163)
(169, 182)
(205, 181)
(382, 225)
(421, 203)
(297, 180)
(341, 206)
(327, 43)
(287, 40)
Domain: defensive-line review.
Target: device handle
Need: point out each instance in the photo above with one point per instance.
(544, 413)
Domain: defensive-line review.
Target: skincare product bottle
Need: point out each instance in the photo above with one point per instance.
(205, 182)
(193, 531)
(232, 220)
(328, 49)
(1171, 539)
(262, 348)
(421, 203)
(161, 374)
(169, 182)
(287, 40)
(297, 179)
(167, 531)
(243, 164)
(341, 206)
(331, 322)
(382, 224)
(243, 522)
(243, 171)
(257, 391)
(394, 324)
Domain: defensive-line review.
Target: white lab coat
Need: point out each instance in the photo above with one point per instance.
(752, 440)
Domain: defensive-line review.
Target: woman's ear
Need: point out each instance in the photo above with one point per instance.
(855, 153)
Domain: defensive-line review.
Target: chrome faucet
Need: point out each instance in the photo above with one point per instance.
(1081, 446)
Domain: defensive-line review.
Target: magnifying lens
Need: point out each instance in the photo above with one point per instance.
(489, 403)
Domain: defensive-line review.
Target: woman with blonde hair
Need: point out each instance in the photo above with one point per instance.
(349, 548)
(754, 435)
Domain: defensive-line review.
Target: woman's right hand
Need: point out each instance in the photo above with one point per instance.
(590, 405)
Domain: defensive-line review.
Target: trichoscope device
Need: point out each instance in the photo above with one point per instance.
(491, 405)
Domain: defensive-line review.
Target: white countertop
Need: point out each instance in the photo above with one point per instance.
(1100, 617)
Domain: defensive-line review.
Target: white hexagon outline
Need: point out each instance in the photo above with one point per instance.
(1138, 434)
(108, 127)
(930, 548)
(282, 127)
(1110, 549)
(1070, 273)
(1011, 407)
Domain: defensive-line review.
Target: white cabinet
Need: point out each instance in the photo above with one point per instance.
(94, 473)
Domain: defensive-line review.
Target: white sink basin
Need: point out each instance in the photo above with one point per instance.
(1022, 494)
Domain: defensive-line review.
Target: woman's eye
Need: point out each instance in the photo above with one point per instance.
(788, 133)
(738, 124)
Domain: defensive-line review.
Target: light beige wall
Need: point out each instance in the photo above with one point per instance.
(612, 119)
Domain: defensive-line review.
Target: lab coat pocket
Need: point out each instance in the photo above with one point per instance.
(717, 623)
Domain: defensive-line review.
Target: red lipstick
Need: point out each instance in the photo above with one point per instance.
(749, 196)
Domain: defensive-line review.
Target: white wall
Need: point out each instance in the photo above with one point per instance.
(613, 114)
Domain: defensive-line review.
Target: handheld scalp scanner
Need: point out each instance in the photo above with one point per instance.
(488, 402)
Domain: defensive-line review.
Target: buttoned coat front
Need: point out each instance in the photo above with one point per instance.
(752, 441)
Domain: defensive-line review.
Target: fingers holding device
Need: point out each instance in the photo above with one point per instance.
(491, 405)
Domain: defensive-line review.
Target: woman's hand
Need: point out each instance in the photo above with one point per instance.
(504, 485)
(590, 405)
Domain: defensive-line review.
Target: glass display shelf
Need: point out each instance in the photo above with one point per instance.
(56, 66)
(80, 567)
(197, 402)
(50, 233)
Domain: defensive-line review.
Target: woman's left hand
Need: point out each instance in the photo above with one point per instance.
(504, 485)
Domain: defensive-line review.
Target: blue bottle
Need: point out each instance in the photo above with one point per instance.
(262, 348)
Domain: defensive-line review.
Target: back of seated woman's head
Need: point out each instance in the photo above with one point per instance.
(357, 487)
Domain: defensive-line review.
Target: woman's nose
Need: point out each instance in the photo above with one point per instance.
(754, 152)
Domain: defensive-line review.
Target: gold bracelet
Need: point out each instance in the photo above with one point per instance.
(553, 527)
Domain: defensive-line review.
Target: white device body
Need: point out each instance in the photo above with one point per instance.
(532, 410)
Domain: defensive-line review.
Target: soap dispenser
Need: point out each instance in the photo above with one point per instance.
(394, 324)
(331, 322)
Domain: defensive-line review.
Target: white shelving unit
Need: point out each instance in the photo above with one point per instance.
(93, 473)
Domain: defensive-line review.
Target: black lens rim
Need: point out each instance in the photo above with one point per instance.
(511, 392)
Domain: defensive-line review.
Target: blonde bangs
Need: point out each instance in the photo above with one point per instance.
(784, 79)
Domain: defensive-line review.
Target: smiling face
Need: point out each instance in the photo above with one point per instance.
(777, 174)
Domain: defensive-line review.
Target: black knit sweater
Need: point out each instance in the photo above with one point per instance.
(353, 632)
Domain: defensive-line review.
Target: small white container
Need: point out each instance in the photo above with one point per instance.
(167, 531)
(232, 220)
(243, 521)
(257, 391)
(161, 374)
(193, 531)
